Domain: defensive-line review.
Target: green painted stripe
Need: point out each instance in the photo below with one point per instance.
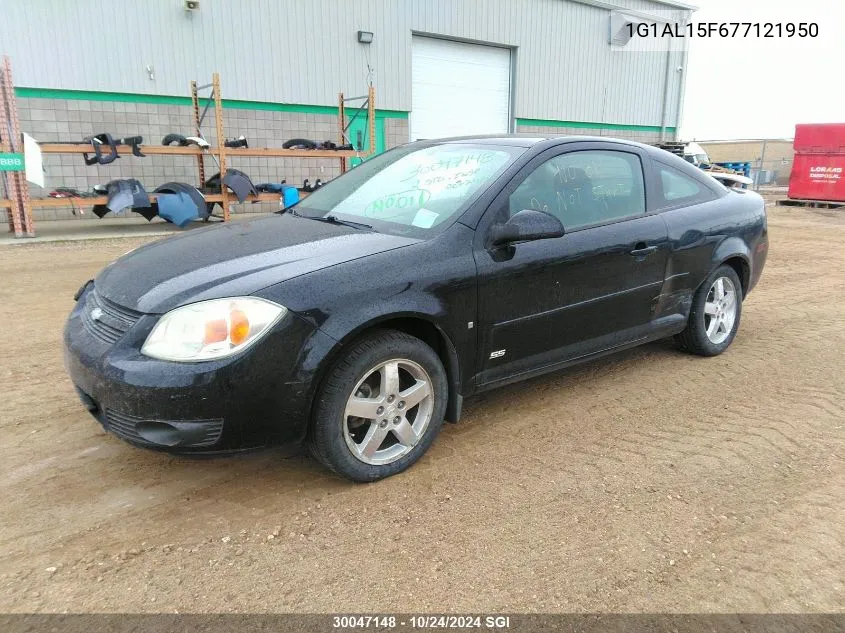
(592, 125)
(390, 114)
(235, 104)
(49, 93)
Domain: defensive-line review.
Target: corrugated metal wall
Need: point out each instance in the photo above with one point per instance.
(305, 51)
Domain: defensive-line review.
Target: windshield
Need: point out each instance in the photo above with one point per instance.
(411, 190)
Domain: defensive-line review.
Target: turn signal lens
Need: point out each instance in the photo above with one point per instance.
(211, 329)
(238, 327)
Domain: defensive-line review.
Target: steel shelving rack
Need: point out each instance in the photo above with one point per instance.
(20, 204)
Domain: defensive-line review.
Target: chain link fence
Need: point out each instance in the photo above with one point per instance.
(770, 160)
(771, 173)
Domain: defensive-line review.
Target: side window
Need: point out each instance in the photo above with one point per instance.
(678, 188)
(583, 188)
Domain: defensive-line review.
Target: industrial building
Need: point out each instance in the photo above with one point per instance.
(439, 67)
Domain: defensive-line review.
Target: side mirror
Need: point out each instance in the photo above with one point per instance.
(526, 226)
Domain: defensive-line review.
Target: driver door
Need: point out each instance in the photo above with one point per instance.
(550, 301)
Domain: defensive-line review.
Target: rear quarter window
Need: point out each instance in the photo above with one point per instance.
(678, 189)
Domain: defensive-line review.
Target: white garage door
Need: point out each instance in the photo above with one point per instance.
(458, 89)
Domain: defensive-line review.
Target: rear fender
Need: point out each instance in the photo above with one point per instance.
(730, 248)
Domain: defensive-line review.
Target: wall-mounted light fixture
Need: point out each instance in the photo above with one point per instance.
(365, 37)
(622, 27)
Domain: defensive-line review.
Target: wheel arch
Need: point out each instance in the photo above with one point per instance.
(735, 253)
(414, 324)
(743, 270)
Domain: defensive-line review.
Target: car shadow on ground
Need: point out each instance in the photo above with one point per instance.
(293, 466)
(571, 378)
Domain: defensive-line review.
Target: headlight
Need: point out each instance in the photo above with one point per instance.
(211, 329)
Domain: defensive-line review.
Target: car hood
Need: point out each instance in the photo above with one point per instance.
(235, 259)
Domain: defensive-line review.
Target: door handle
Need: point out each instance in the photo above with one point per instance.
(641, 250)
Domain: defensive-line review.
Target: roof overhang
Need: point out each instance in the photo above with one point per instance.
(677, 5)
(615, 6)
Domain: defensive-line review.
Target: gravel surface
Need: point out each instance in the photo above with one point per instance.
(647, 481)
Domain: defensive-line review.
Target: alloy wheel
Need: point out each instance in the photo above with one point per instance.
(388, 411)
(720, 310)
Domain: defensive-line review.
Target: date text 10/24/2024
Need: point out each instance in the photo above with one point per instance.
(723, 29)
(388, 622)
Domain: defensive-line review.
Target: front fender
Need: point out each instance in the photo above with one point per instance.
(425, 324)
(433, 282)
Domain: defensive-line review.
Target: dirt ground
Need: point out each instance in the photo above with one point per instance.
(648, 481)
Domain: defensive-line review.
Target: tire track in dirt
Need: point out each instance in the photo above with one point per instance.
(646, 481)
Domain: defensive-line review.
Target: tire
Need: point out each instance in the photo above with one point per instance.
(695, 337)
(299, 142)
(396, 425)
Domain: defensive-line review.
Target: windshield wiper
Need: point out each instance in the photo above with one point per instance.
(333, 219)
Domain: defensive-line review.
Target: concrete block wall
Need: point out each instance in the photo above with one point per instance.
(396, 132)
(70, 120)
(641, 136)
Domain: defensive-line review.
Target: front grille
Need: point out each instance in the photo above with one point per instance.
(193, 433)
(112, 322)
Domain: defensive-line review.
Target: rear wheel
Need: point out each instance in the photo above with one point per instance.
(714, 316)
(380, 407)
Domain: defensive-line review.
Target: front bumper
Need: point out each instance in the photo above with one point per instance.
(258, 398)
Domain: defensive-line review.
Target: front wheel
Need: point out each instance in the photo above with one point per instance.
(380, 407)
(714, 316)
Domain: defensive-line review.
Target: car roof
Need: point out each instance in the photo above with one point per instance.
(529, 140)
(540, 143)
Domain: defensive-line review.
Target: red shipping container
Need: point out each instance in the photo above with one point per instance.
(818, 177)
(828, 138)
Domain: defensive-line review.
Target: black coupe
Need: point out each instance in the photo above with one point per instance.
(359, 319)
